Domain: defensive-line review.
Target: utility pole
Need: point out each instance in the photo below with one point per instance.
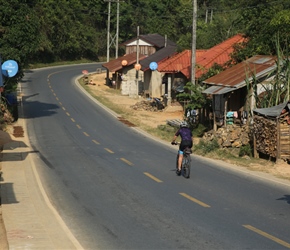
(117, 29)
(108, 31)
(137, 62)
(116, 42)
(109, 35)
(193, 46)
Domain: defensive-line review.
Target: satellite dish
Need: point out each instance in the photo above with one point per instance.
(153, 65)
(9, 68)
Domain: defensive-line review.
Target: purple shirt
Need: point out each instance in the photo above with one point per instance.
(185, 134)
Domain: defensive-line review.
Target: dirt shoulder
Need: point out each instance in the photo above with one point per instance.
(150, 121)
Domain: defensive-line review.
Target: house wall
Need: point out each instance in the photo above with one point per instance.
(156, 84)
(129, 82)
(143, 49)
(146, 84)
(236, 100)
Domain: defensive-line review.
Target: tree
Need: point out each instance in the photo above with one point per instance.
(18, 31)
(261, 22)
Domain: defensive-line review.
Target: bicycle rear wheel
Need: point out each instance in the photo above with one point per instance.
(186, 166)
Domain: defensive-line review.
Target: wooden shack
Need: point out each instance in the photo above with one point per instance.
(271, 131)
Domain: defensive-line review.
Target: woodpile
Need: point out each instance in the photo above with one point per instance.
(231, 136)
(146, 105)
(265, 131)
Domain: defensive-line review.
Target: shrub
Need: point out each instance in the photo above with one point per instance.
(207, 146)
(245, 150)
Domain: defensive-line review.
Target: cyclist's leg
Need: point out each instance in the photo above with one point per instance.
(180, 157)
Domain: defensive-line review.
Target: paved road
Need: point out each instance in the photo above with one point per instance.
(115, 188)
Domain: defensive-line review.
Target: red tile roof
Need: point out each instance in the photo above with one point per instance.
(116, 64)
(205, 59)
(219, 54)
(177, 63)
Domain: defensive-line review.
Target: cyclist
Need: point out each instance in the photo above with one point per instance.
(186, 141)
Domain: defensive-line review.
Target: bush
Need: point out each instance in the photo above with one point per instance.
(207, 146)
(245, 150)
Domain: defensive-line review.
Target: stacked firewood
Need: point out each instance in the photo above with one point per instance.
(146, 105)
(265, 131)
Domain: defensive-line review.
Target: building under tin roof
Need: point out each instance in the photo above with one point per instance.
(235, 77)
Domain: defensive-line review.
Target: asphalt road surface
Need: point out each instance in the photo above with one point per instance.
(116, 188)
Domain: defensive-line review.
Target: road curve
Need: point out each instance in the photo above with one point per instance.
(115, 188)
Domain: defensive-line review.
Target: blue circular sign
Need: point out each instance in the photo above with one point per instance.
(153, 65)
(9, 68)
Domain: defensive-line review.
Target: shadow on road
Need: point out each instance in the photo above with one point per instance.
(285, 198)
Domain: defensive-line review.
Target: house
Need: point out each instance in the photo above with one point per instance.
(148, 44)
(154, 48)
(177, 69)
(152, 84)
(229, 89)
(176, 72)
(124, 73)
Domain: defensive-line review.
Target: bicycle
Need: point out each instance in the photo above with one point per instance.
(186, 161)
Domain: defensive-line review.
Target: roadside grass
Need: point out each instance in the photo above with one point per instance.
(235, 156)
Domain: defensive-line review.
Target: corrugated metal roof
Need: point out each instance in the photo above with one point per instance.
(116, 64)
(218, 90)
(235, 77)
(158, 56)
(156, 40)
(272, 112)
(204, 58)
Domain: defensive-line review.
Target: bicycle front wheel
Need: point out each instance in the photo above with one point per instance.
(186, 166)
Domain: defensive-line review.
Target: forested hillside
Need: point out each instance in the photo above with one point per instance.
(55, 30)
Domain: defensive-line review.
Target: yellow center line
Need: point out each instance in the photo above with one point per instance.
(271, 237)
(194, 200)
(73, 120)
(110, 151)
(152, 177)
(96, 142)
(86, 134)
(60, 103)
(57, 98)
(54, 94)
(79, 126)
(126, 161)
(63, 108)
(67, 113)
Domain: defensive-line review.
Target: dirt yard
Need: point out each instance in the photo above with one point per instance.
(149, 118)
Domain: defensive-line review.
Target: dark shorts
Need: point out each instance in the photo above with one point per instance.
(185, 144)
